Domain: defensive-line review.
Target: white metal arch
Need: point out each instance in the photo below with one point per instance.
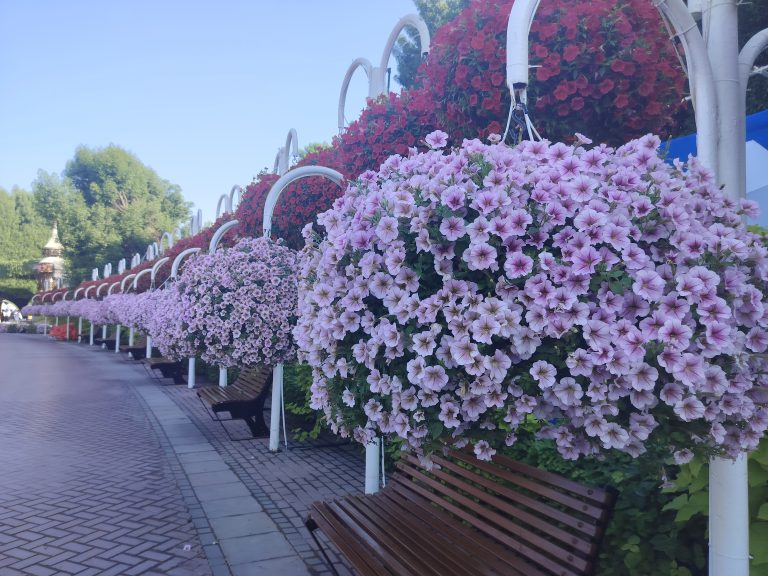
(156, 267)
(139, 275)
(87, 290)
(98, 290)
(285, 153)
(166, 236)
(45, 296)
(74, 296)
(413, 20)
(292, 176)
(366, 65)
(239, 191)
(177, 261)
(125, 281)
(269, 208)
(227, 207)
(112, 287)
(196, 222)
(62, 294)
(219, 233)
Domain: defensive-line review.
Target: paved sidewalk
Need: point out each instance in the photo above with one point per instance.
(109, 472)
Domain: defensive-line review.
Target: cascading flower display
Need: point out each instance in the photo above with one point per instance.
(161, 318)
(599, 295)
(238, 305)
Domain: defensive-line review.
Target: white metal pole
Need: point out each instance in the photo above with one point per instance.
(372, 466)
(91, 343)
(277, 399)
(149, 346)
(79, 329)
(222, 377)
(66, 336)
(130, 336)
(191, 373)
(45, 325)
(117, 338)
(728, 482)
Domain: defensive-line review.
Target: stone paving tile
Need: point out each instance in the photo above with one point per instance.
(86, 483)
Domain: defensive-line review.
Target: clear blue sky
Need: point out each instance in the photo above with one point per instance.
(204, 92)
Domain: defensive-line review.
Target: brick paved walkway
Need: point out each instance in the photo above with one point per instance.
(85, 485)
(116, 474)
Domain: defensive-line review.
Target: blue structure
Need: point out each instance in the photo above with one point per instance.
(757, 159)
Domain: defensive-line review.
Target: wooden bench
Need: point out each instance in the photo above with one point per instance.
(243, 399)
(138, 350)
(468, 517)
(168, 368)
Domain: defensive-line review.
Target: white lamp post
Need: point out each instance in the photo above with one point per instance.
(377, 76)
(174, 272)
(269, 209)
(215, 239)
(717, 77)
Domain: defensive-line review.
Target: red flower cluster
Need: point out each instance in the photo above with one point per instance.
(604, 68)
(60, 332)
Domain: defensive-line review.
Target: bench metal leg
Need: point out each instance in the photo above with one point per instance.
(312, 527)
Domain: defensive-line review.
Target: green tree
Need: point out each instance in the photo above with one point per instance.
(435, 13)
(22, 234)
(109, 205)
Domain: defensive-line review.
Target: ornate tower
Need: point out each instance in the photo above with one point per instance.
(50, 269)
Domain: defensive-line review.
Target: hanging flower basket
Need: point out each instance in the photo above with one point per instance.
(597, 295)
(238, 305)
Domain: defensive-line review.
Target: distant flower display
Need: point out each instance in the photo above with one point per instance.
(604, 295)
(163, 318)
(238, 305)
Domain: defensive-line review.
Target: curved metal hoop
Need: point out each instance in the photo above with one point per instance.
(292, 176)
(125, 280)
(177, 261)
(227, 206)
(408, 20)
(62, 294)
(196, 223)
(98, 290)
(112, 287)
(239, 191)
(74, 296)
(166, 235)
(139, 275)
(156, 267)
(366, 65)
(87, 290)
(219, 233)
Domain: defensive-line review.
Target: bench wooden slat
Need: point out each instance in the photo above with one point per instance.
(345, 540)
(470, 517)
(397, 516)
(525, 515)
(491, 551)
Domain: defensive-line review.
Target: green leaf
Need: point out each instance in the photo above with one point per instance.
(758, 475)
(762, 513)
(758, 536)
(678, 503)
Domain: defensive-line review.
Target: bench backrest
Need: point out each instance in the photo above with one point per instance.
(253, 379)
(554, 523)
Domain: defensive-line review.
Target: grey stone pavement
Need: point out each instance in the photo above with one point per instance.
(105, 470)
